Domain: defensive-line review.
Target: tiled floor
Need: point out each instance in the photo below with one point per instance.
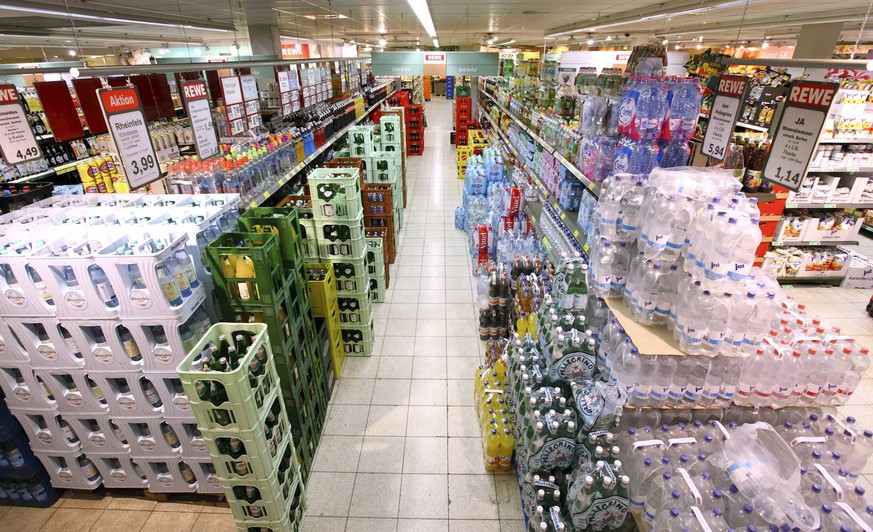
(401, 450)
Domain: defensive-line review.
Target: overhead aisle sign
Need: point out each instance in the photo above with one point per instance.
(122, 108)
(472, 64)
(797, 131)
(398, 64)
(725, 110)
(16, 137)
(197, 102)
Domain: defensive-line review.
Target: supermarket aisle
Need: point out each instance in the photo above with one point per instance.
(402, 449)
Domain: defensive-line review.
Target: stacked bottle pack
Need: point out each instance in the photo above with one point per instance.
(461, 119)
(94, 326)
(234, 386)
(414, 129)
(255, 282)
(794, 469)
(23, 479)
(563, 415)
(339, 224)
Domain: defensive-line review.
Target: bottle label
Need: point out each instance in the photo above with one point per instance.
(76, 300)
(575, 367)
(131, 349)
(141, 299)
(604, 513)
(15, 297)
(104, 290)
(127, 403)
(45, 437)
(162, 356)
(557, 453)
(119, 475)
(23, 394)
(104, 356)
(47, 352)
(89, 470)
(65, 475)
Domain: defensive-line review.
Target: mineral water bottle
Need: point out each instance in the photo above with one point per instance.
(738, 322)
(684, 106)
(650, 110)
(674, 154)
(661, 377)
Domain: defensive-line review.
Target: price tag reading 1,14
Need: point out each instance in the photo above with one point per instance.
(127, 126)
(16, 138)
(723, 118)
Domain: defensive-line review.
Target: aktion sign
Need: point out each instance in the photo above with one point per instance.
(197, 103)
(797, 131)
(16, 138)
(723, 119)
(122, 108)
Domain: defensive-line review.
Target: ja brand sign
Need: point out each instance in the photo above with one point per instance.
(16, 138)
(797, 132)
(197, 102)
(723, 119)
(127, 126)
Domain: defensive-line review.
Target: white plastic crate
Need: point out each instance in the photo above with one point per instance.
(45, 343)
(129, 394)
(150, 437)
(339, 239)
(100, 342)
(207, 478)
(98, 434)
(69, 278)
(119, 471)
(23, 291)
(74, 391)
(164, 342)
(172, 394)
(47, 431)
(70, 469)
(142, 293)
(11, 349)
(24, 389)
(351, 275)
(168, 474)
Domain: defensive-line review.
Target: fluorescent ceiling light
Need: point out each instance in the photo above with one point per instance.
(382, 41)
(510, 41)
(436, 43)
(83, 16)
(423, 13)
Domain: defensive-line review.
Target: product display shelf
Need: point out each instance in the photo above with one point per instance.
(281, 181)
(837, 140)
(591, 186)
(828, 206)
(843, 169)
(777, 244)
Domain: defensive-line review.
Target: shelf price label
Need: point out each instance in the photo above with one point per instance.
(797, 132)
(16, 138)
(197, 103)
(723, 119)
(122, 108)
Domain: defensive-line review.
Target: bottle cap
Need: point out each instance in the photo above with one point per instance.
(674, 512)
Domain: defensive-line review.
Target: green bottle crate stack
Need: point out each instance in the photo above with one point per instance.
(241, 413)
(376, 267)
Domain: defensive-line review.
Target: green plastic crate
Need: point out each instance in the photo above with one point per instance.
(270, 280)
(336, 193)
(358, 340)
(263, 502)
(283, 223)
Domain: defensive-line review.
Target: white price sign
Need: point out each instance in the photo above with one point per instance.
(249, 88)
(723, 118)
(284, 84)
(797, 132)
(231, 90)
(200, 116)
(16, 138)
(127, 126)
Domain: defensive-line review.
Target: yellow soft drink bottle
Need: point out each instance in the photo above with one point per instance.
(245, 269)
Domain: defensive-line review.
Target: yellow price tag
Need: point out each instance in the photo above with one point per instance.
(253, 204)
(266, 195)
(563, 215)
(545, 241)
(586, 248)
(576, 233)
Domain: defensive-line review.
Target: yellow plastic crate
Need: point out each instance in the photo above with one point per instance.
(323, 292)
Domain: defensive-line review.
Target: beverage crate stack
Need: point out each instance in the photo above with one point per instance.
(256, 282)
(450, 87)
(23, 479)
(377, 265)
(93, 330)
(236, 397)
(463, 109)
(339, 221)
(380, 214)
(414, 129)
(325, 306)
(397, 115)
(463, 153)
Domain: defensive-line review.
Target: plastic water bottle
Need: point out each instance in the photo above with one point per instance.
(650, 110)
(684, 97)
(674, 154)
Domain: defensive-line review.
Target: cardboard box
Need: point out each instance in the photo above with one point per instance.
(791, 228)
(843, 190)
(832, 226)
(859, 273)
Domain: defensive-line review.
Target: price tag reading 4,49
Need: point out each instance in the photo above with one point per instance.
(16, 138)
(723, 118)
(797, 132)
(127, 126)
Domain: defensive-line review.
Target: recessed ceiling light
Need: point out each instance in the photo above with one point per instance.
(664, 42)
(589, 41)
(608, 38)
(382, 41)
(72, 53)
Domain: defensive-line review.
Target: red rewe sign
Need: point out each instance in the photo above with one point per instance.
(194, 90)
(120, 100)
(436, 58)
(732, 85)
(8, 94)
(814, 95)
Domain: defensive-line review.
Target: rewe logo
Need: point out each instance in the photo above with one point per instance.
(8, 94)
(813, 95)
(195, 91)
(731, 85)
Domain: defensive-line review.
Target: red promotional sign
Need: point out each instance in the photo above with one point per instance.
(812, 95)
(119, 100)
(194, 90)
(295, 51)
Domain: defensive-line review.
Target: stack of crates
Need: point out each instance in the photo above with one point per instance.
(322, 285)
(463, 153)
(478, 140)
(450, 87)
(463, 110)
(362, 141)
(276, 294)
(414, 129)
(380, 213)
(241, 414)
(392, 127)
(339, 227)
(377, 265)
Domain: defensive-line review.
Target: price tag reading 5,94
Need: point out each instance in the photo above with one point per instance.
(127, 126)
(723, 118)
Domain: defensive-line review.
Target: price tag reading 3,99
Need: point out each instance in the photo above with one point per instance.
(723, 118)
(797, 132)
(16, 138)
(127, 125)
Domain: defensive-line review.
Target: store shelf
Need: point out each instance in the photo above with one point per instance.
(829, 206)
(843, 169)
(824, 279)
(856, 140)
(281, 181)
(591, 186)
(57, 170)
(753, 127)
(814, 243)
(655, 340)
(867, 227)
